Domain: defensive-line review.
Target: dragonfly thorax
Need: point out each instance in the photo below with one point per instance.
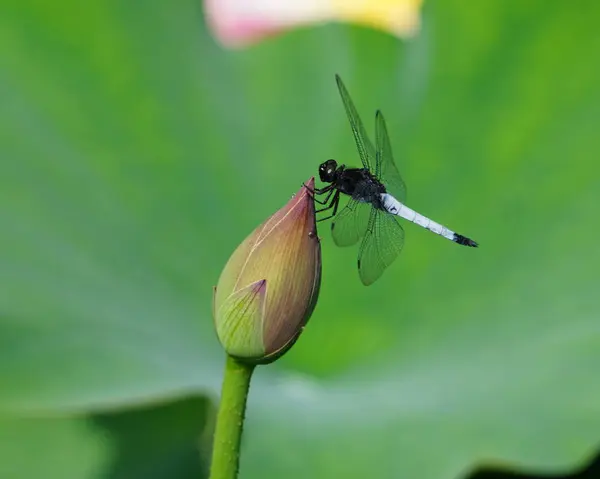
(361, 185)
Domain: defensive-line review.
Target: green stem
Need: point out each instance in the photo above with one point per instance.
(230, 419)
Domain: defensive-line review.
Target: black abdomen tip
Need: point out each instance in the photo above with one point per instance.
(460, 239)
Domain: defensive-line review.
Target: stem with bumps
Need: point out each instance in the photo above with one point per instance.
(230, 419)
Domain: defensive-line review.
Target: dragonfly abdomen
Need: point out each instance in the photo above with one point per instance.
(395, 207)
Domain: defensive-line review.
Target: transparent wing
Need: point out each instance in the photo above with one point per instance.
(381, 245)
(363, 144)
(350, 224)
(385, 169)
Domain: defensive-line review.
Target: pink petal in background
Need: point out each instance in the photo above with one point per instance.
(238, 23)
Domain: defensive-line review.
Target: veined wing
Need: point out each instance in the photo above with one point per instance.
(363, 144)
(385, 169)
(381, 245)
(350, 224)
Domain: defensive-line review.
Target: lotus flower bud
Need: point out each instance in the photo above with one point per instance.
(269, 287)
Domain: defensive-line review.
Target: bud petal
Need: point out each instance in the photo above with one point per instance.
(241, 322)
(269, 287)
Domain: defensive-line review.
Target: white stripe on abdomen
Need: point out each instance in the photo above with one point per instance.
(393, 206)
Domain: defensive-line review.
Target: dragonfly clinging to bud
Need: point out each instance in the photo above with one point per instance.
(377, 196)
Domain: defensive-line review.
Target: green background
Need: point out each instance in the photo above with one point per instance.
(136, 153)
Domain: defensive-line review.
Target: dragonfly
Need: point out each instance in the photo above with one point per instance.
(377, 197)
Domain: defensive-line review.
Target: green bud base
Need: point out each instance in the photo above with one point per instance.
(230, 419)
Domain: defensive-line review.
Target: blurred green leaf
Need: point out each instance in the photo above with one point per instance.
(153, 441)
(590, 470)
(160, 441)
(52, 447)
(136, 154)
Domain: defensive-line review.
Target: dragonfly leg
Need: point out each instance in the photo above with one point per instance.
(331, 203)
(334, 204)
(320, 191)
(325, 201)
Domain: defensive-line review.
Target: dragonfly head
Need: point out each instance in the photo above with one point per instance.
(327, 171)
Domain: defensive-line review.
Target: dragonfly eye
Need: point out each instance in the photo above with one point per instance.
(327, 171)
